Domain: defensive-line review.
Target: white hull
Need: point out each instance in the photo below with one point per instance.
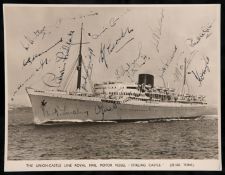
(55, 107)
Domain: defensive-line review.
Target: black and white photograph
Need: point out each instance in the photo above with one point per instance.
(112, 87)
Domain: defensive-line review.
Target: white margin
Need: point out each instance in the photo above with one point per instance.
(198, 165)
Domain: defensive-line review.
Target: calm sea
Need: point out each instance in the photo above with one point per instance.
(168, 139)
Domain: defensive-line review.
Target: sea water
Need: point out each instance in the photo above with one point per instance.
(157, 139)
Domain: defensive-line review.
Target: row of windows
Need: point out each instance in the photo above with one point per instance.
(121, 93)
(114, 87)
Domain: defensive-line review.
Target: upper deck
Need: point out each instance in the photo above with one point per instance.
(118, 90)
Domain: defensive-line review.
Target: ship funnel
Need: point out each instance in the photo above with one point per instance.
(146, 79)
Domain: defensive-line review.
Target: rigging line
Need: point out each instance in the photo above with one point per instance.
(188, 86)
(184, 78)
(191, 57)
(71, 85)
(89, 79)
(70, 73)
(69, 81)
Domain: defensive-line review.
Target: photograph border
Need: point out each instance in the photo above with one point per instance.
(22, 168)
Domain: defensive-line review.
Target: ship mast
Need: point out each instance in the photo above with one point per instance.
(79, 61)
(185, 72)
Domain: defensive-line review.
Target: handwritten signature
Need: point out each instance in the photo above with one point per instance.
(200, 76)
(62, 112)
(108, 49)
(63, 55)
(101, 109)
(156, 35)
(167, 64)
(131, 68)
(52, 80)
(88, 70)
(112, 22)
(23, 83)
(42, 64)
(91, 13)
(177, 74)
(205, 33)
(30, 60)
(31, 40)
(178, 71)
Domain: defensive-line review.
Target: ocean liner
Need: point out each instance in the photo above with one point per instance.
(114, 101)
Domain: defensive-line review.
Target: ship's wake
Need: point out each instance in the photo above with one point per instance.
(165, 120)
(206, 117)
(53, 122)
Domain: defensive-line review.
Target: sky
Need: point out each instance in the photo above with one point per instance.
(42, 46)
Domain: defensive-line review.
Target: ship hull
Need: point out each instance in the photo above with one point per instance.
(61, 107)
